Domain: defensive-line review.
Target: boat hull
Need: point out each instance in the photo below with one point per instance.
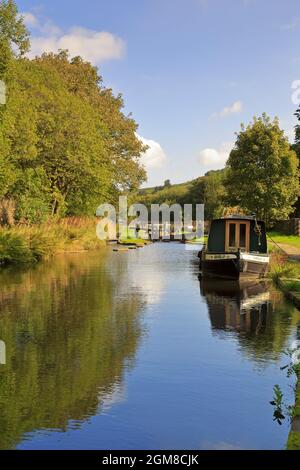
(233, 265)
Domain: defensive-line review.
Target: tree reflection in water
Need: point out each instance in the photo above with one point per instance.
(69, 338)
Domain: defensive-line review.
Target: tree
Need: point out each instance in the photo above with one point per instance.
(14, 36)
(209, 190)
(98, 155)
(297, 129)
(296, 148)
(214, 194)
(65, 144)
(262, 171)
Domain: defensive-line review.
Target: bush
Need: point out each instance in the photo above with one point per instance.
(14, 249)
(27, 244)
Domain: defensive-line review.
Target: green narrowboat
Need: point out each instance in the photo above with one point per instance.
(236, 248)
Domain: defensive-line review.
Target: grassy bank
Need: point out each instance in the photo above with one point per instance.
(286, 275)
(280, 238)
(285, 272)
(29, 244)
(294, 436)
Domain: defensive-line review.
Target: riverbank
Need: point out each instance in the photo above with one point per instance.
(29, 244)
(291, 289)
(285, 273)
(281, 238)
(294, 436)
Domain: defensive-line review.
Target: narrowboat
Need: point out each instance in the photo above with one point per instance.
(236, 248)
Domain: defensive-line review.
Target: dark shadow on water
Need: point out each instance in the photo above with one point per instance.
(254, 312)
(234, 305)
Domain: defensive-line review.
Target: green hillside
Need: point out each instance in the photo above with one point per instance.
(208, 190)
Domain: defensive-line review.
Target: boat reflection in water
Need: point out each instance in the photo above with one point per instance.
(235, 305)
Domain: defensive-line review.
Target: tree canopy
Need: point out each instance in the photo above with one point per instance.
(262, 171)
(65, 143)
(14, 37)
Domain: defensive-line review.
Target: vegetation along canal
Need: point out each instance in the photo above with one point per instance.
(131, 350)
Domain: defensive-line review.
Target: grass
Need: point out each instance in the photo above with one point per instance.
(198, 241)
(29, 244)
(293, 441)
(292, 285)
(282, 267)
(286, 274)
(134, 241)
(292, 240)
(297, 405)
(294, 436)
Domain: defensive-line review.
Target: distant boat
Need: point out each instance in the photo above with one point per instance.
(236, 248)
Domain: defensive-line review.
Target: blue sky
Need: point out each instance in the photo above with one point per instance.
(190, 70)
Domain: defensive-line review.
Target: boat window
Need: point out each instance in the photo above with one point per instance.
(237, 236)
(232, 232)
(243, 236)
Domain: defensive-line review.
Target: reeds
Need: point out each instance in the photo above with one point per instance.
(29, 244)
(7, 212)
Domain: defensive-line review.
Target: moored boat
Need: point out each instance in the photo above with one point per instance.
(236, 248)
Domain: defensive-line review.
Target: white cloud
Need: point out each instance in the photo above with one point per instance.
(215, 159)
(235, 108)
(94, 46)
(291, 25)
(30, 19)
(155, 156)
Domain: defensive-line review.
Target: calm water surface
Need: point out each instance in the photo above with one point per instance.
(128, 350)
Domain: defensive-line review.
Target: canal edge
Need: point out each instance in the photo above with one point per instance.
(293, 442)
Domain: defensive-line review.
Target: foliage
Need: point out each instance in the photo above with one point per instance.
(14, 37)
(277, 403)
(29, 244)
(293, 441)
(66, 145)
(262, 171)
(279, 266)
(297, 129)
(281, 408)
(296, 148)
(208, 190)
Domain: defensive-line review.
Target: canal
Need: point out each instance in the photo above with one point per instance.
(130, 351)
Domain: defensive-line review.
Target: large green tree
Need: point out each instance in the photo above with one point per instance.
(209, 190)
(14, 37)
(115, 159)
(262, 171)
(66, 144)
(297, 131)
(296, 147)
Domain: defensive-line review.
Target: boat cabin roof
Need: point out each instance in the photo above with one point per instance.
(240, 217)
(237, 232)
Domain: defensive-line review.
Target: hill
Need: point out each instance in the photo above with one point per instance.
(208, 190)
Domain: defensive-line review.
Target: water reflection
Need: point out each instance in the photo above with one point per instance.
(69, 338)
(254, 312)
(120, 351)
(233, 305)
